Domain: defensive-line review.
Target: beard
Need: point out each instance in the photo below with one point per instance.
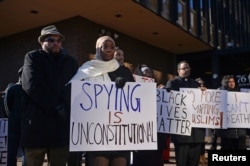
(52, 49)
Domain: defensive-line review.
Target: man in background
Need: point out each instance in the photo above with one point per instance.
(187, 148)
(13, 107)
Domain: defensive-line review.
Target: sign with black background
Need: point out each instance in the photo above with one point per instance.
(228, 157)
(243, 80)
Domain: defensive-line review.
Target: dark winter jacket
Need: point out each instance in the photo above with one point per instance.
(13, 104)
(2, 109)
(47, 99)
(197, 134)
(122, 72)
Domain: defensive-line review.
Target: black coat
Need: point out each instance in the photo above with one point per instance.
(2, 109)
(43, 80)
(197, 134)
(122, 72)
(13, 104)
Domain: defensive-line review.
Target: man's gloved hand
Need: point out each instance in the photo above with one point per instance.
(61, 112)
(120, 82)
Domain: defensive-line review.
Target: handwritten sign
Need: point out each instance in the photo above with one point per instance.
(143, 79)
(3, 141)
(245, 90)
(172, 113)
(208, 107)
(104, 118)
(238, 110)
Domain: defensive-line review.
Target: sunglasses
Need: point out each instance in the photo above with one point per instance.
(51, 40)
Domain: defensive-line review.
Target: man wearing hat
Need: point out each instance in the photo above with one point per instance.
(46, 72)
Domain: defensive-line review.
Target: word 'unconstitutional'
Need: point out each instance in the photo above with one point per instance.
(105, 134)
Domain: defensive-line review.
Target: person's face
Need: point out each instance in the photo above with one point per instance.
(231, 83)
(119, 56)
(184, 70)
(52, 44)
(160, 86)
(148, 73)
(201, 83)
(107, 50)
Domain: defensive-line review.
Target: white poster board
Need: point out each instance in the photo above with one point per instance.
(104, 118)
(238, 110)
(143, 79)
(172, 112)
(3, 141)
(208, 107)
(245, 90)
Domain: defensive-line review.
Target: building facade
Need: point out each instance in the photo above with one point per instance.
(213, 35)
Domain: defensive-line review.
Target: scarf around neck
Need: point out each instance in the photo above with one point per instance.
(96, 70)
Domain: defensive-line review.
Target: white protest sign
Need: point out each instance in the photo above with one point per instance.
(208, 107)
(245, 90)
(238, 110)
(172, 114)
(143, 79)
(3, 140)
(104, 118)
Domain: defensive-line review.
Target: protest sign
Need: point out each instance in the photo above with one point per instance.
(245, 90)
(143, 79)
(208, 107)
(3, 140)
(104, 118)
(172, 114)
(238, 110)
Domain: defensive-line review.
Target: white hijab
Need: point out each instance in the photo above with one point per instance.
(97, 69)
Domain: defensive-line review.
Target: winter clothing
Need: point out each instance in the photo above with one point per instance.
(232, 138)
(187, 148)
(49, 30)
(197, 134)
(105, 71)
(13, 106)
(47, 99)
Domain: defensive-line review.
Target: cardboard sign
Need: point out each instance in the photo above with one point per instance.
(3, 140)
(104, 118)
(245, 90)
(208, 107)
(238, 110)
(173, 115)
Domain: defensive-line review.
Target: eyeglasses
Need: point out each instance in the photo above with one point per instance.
(51, 40)
(185, 68)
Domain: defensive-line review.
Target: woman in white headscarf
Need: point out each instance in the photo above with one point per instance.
(104, 62)
(105, 68)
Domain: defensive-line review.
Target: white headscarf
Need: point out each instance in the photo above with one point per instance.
(97, 69)
(99, 44)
